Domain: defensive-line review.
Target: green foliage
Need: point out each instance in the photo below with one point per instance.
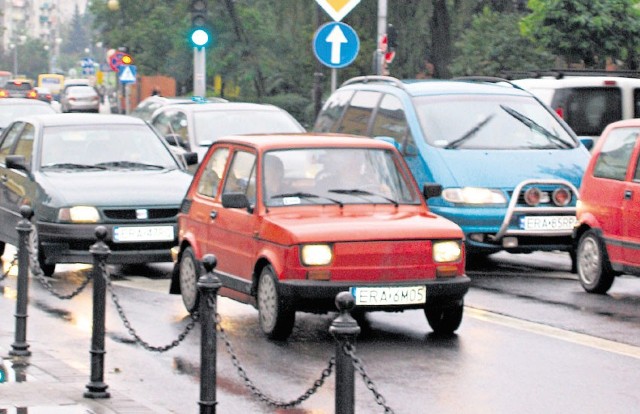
(585, 31)
(493, 44)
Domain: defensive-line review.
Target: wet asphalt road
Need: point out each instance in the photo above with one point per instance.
(531, 341)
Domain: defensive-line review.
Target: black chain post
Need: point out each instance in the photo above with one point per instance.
(100, 251)
(344, 329)
(208, 286)
(20, 346)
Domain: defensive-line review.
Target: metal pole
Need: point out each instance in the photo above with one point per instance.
(334, 79)
(20, 346)
(127, 103)
(15, 60)
(100, 251)
(344, 329)
(199, 69)
(208, 286)
(382, 29)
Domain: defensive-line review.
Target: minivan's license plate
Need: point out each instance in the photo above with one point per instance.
(376, 296)
(547, 222)
(142, 233)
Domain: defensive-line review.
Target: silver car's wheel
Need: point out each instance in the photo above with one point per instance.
(189, 274)
(594, 269)
(276, 317)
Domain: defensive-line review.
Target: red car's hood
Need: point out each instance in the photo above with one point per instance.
(354, 223)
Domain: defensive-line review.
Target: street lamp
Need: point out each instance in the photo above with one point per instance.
(14, 46)
(113, 5)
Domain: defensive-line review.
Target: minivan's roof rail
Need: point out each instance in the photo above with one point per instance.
(491, 79)
(562, 73)
(375, 78)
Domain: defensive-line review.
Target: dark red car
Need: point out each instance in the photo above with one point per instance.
(607, 233)
(295, 219)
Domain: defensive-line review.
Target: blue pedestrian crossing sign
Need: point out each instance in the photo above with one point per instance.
(336, 44)
(127, 74)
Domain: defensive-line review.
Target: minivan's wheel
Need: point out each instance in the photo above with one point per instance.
(444, 320)
(36, 251)
(189, 275)
(276, 318)
(594, 269)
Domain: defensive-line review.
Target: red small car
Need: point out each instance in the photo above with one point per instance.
(607, 232)
(294, 219)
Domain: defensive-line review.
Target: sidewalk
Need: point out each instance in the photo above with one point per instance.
(43, 383)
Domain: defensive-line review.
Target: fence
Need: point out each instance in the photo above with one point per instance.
(344, 329)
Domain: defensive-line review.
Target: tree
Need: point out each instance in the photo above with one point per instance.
(585, 31)
(494, 45)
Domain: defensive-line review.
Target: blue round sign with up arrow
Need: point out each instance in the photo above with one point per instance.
(336, 45)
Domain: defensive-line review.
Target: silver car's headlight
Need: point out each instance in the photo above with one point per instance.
(79, 214)
(316, 254)
(474, 195)
(446, 251)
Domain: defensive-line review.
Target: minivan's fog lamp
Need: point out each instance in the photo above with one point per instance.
(79, 214)
(316, 255)
(446, 251)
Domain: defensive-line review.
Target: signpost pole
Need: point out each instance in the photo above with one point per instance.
(199, 78)
(334, 79)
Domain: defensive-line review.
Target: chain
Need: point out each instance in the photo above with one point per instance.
(13, 264)
(357, 363)
(132, 332)
(262, 396)
(44, 280)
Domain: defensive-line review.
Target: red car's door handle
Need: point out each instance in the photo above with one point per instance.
(213, 214)
(628, 194)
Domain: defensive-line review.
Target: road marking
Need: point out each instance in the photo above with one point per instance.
(557, 333)
(144, 283)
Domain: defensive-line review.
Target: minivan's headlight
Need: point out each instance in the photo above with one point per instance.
(474, 195)
(316, 254)
(446, 251)
(79, 214)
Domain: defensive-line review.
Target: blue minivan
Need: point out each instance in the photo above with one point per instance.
(509, 167)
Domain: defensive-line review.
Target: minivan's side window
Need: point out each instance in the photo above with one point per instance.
(590, 110)
(332, 111)
(357, 116)
(390, 120)
(616, 153)
(25, 142)
(210, 179)
(172, 123)
(636, 103)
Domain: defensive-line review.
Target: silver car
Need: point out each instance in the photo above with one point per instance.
(80, 98)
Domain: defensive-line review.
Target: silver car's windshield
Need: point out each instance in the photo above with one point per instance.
(490, 122)
(111, 146)
(211, 125)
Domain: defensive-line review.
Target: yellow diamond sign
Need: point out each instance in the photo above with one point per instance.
(337, 9)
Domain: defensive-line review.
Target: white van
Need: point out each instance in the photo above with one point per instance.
(587, 103)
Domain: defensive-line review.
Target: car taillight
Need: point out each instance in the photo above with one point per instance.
(610, 83)
(32, 94)
(532, 196)
(561, 197)
(560, 112)
(3, 94)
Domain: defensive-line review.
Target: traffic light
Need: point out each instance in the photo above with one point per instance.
(126, 59)
(392, 37)
(199, 35)
(198, 13)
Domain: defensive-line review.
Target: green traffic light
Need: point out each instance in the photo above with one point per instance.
(199, 37)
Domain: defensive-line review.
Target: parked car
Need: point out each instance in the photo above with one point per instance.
(509, 167)
(196, 127)
(147, 106)
(607, 233)
(587, 103)
(18, 88)
(290, 231)
(43, 94)
(14, 108)
(79, 171)
(80, 99)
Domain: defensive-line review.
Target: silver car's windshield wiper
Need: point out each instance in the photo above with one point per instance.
(130, 164)
(305, 195)
(559, 142)
(73, 166)
(469, 134)
(357, 192)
